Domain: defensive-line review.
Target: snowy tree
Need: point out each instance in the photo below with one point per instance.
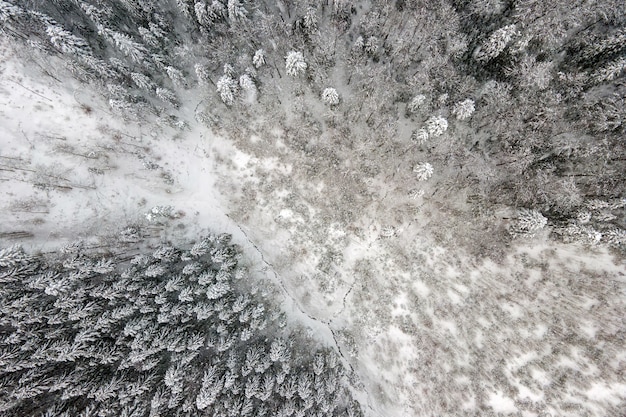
(246, 83)
(12, 256)
(419, 136)
(304, 386)
(615, 237)
(149, 38)
(278, 351)
(358, 44)
(436, 125)
(155, 271)
(210, 390)
(201, 248)
(176, 75)
(487, 7)
(9, 11)
(423, 170)
(217, 10)
(583, 217)
(330, 96)
(248, 87)
(371, 45)
(416, 194)
(464, 109)
(158, 213)
(202, 14)
(252, 386)
(259, 58)
(610, 71)
(227, 88)
(98, 67)
(124, 108)
(143, 81)
(532, 74)
(294, 63)
(236, 11)
(527, 223)
(318, 364)
(131, 48)
(229, 70)
(495, 44)
(217, 290)
(310, 20)
(203, 73)
(388, 232)
(67, 42)
(416, 103)
(167, 96)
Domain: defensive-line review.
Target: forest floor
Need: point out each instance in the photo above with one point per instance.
(429, 328)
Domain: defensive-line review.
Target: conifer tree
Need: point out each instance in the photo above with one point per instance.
(295, 64)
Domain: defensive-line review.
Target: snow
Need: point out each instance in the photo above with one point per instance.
(501, 403)
(523, 359)
(515, 311)
(588, 328)
(600, 392)
(526, 393)
(540, 376)
(118, 198)
(417, 318)
(420, 288)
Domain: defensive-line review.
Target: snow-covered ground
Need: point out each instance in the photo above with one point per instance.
(429, 328)
(72, 169)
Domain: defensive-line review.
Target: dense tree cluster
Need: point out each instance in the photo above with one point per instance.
(173, 332)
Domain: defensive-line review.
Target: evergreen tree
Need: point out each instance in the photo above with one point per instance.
(330, 96)
(294, 63)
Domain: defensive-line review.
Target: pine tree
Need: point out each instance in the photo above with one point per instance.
(294, 63)
(495, 44)
(436, 125)
(176, 75)
(464, 109)
(227, 88)
(259, 58)
(202, 14)
(217, 10)
(424, 171)
(12, 256)
(416, 103)
(9, 11)
(236, 11)
(143, 81)
(129, 47)
(67, 42)
(371, 45)
(310, 20)
(124, 108)
(167, 96)
(419, 136)
(610, 71)
(330, 96)
(528, 223)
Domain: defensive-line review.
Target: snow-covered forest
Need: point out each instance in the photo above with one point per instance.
(313, 208)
